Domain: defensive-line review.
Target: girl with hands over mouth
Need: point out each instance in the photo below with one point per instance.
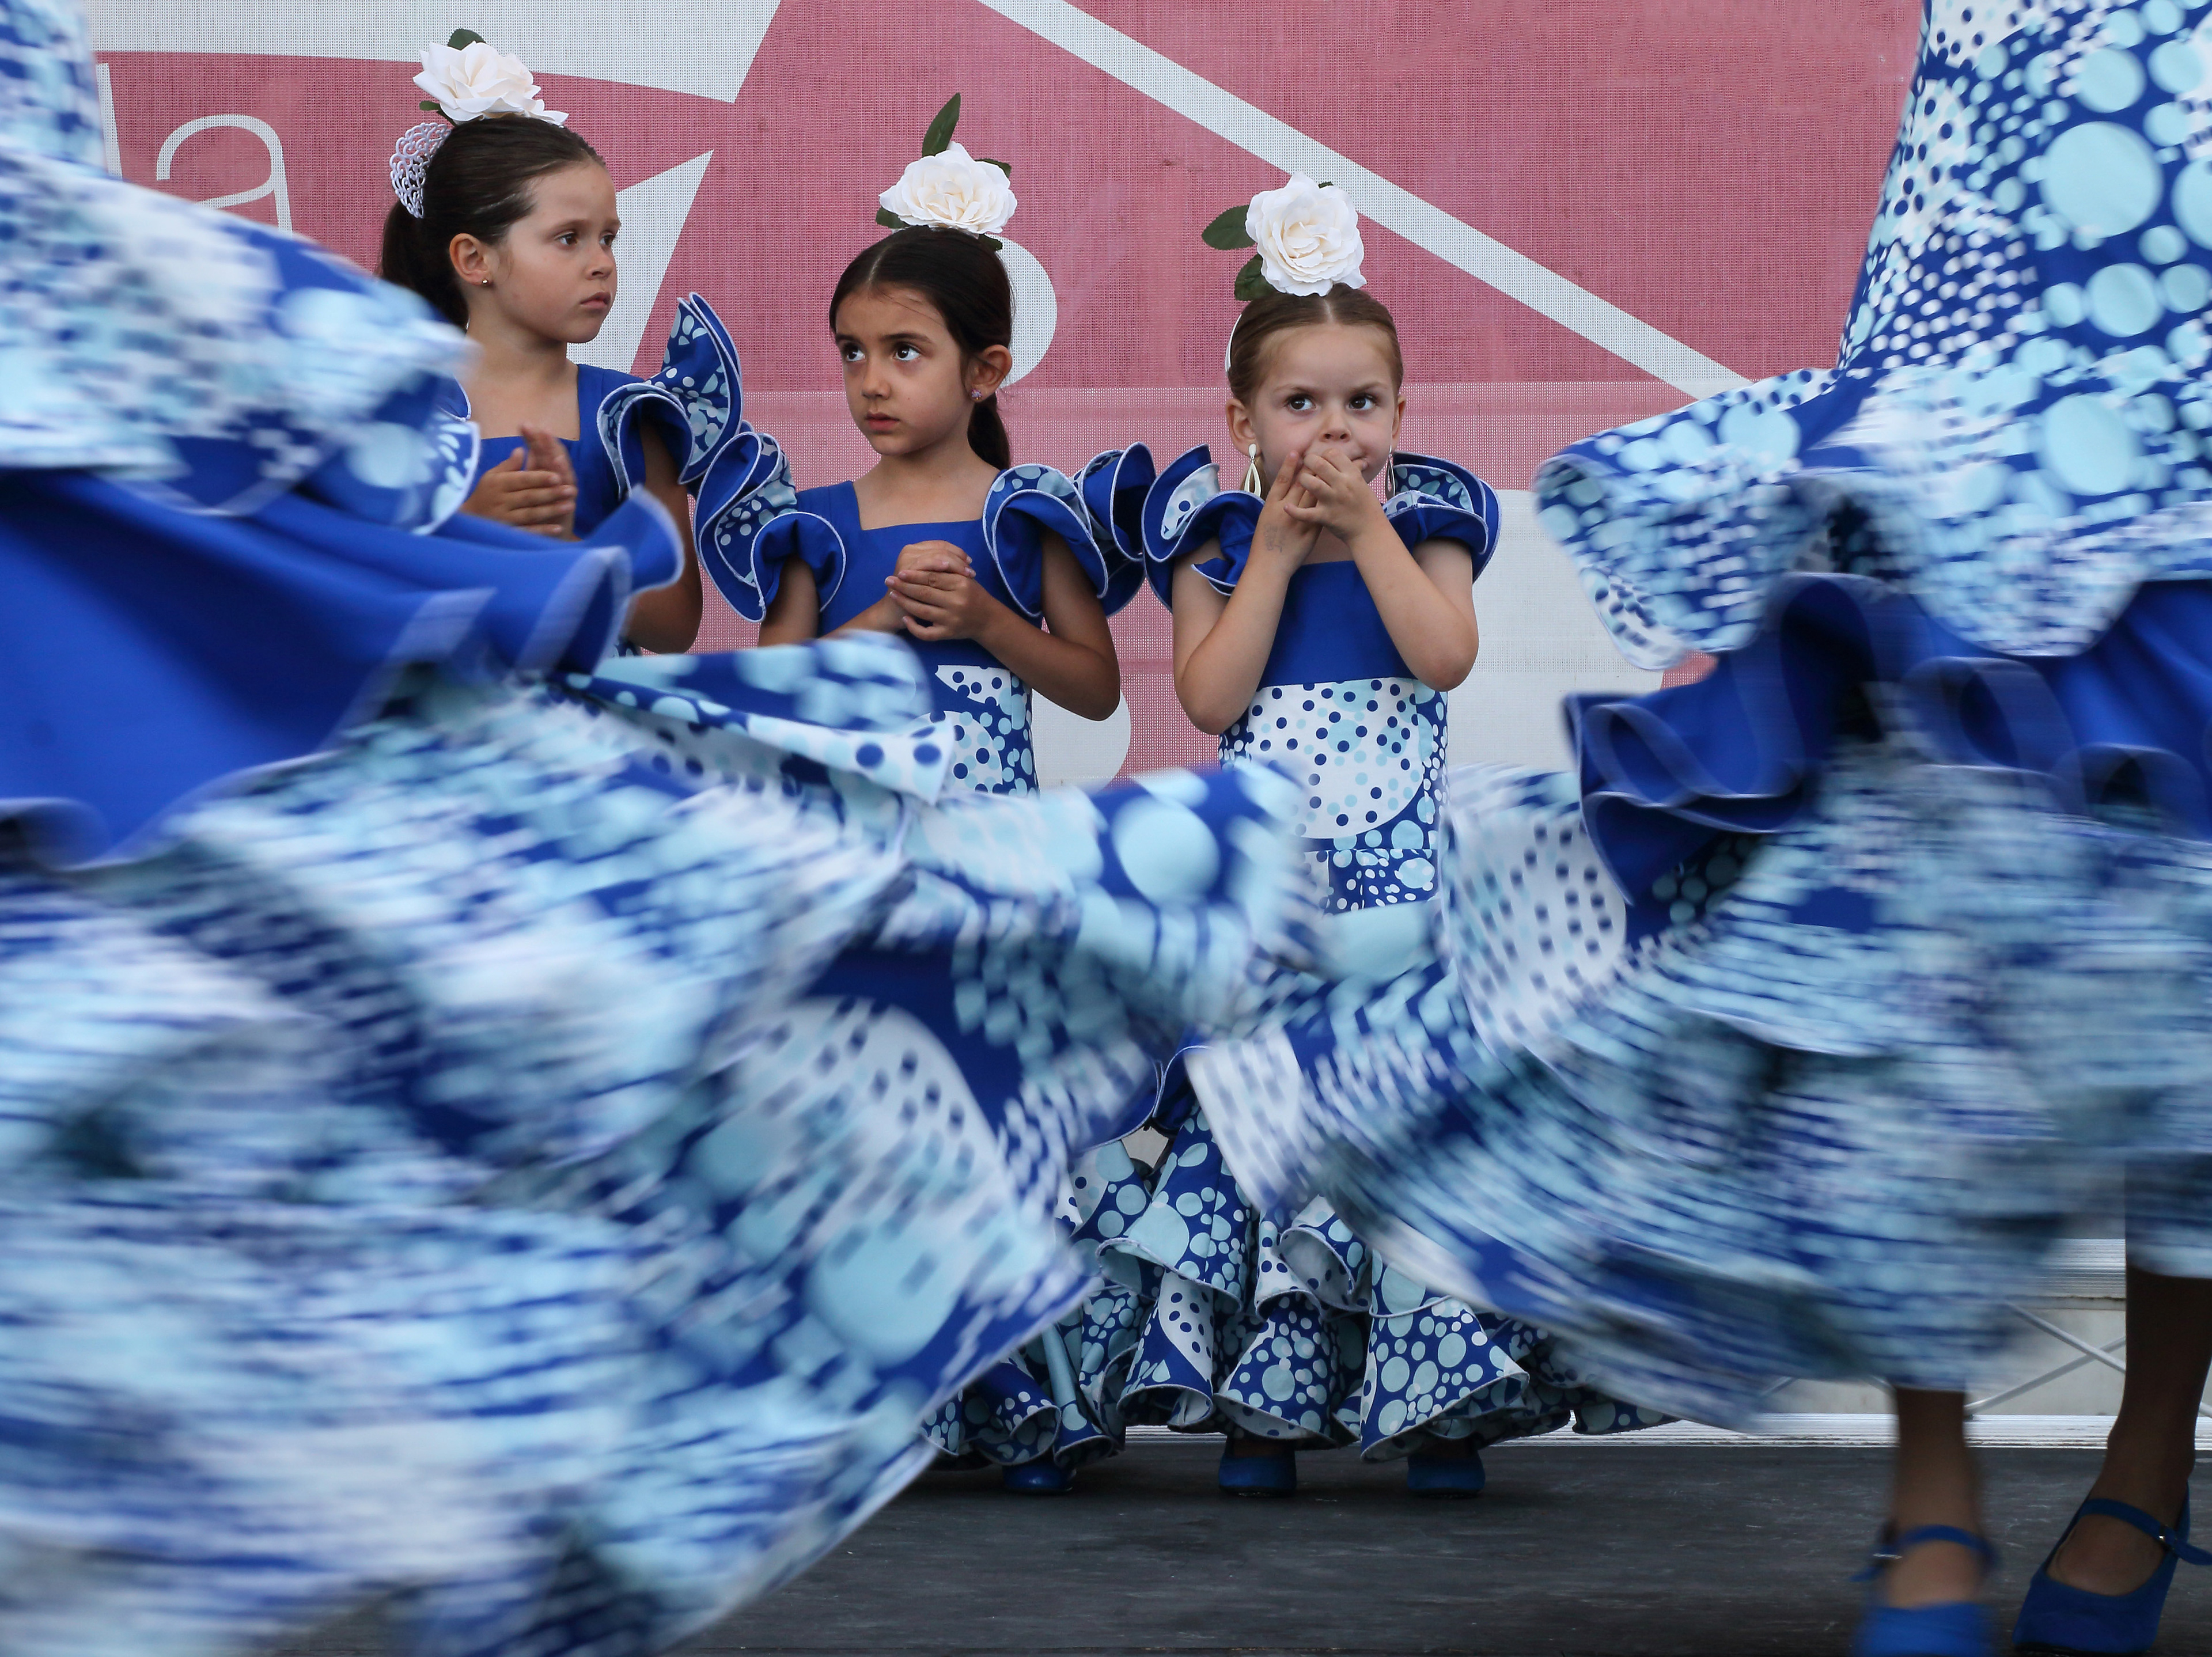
(990, 571)
(1316, 631)
(1318, 404)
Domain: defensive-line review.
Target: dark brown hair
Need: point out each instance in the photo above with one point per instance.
(1273, 314)
(964, 280)
(478, 184)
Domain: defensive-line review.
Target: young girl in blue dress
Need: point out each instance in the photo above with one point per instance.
(923, 546)
(1318, 630)
(506, 224)
(1001, 578)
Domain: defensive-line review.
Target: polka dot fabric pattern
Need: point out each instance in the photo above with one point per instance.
(2014, 430)
(1291, 1328)
(49, 103)
(216, 361)
(526, 1106)
(1369, 755)
(987, 730)
(1059, 1395)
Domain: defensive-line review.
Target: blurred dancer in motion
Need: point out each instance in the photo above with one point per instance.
(1781, 1037)
(1002, 578)
(506, 222)
(424, 1171)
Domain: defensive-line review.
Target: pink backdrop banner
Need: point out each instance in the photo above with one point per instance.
(1701, 173)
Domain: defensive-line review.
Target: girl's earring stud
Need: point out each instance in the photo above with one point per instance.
(978, 396)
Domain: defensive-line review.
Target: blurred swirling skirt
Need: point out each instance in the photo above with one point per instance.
(543, 1156)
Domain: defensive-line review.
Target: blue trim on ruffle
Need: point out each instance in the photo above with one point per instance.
(807, 535)
(696, 398)
(2123, 725)
(1113, 486)
(1025, 503)
(150, 652)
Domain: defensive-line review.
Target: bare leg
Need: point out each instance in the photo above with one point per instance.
(2154, 1439)
(1936, 1485)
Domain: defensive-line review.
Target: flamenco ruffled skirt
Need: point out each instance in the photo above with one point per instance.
(1293, 1329)
(1783, 1041)
(540, 1153)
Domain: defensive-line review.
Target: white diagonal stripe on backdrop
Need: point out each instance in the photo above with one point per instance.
(1487, 260)
(703, 47)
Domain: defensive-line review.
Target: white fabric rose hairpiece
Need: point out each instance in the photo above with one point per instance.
(466, 79)
(1307, 235)
(948, 189)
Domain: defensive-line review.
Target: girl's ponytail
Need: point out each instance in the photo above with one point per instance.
(987, 433)
(478, 183)
(405, 261)
(965, 281)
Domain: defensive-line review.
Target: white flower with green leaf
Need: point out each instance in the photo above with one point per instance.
(467, 78)
(949, 189)
(1307, 235)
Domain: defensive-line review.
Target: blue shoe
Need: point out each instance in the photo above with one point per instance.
(2070, 1622)
(1445, 1477)
(1259, 1475)
(1044, 1476)
(1960, 1629)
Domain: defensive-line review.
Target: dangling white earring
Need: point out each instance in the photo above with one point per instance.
(1253, 485)
(1390, 476)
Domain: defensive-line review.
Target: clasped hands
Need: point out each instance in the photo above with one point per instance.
(1316, 490)
(534, 489)
(934, 586)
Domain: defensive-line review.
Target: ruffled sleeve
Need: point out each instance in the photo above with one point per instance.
(737, 476)
(1435, 500)
(1025, 504)
(760, 533)
(695, 401)
(1113, 486)
(1185, 508)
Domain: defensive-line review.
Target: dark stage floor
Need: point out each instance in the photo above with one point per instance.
(1626, 1552)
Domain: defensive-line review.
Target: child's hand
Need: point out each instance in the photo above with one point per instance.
(548, 453)
(939, 555)
(538, 498)
(942, 603)
(1337, 497)
(1281, 534)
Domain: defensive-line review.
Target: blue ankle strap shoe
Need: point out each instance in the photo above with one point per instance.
(1259, 1475)
(1044, 1476)
(1959, 1629)
(1445, 1477)
(2059, 1620)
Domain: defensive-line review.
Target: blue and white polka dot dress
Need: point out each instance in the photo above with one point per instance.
(982, 708)
(1288, 1325)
